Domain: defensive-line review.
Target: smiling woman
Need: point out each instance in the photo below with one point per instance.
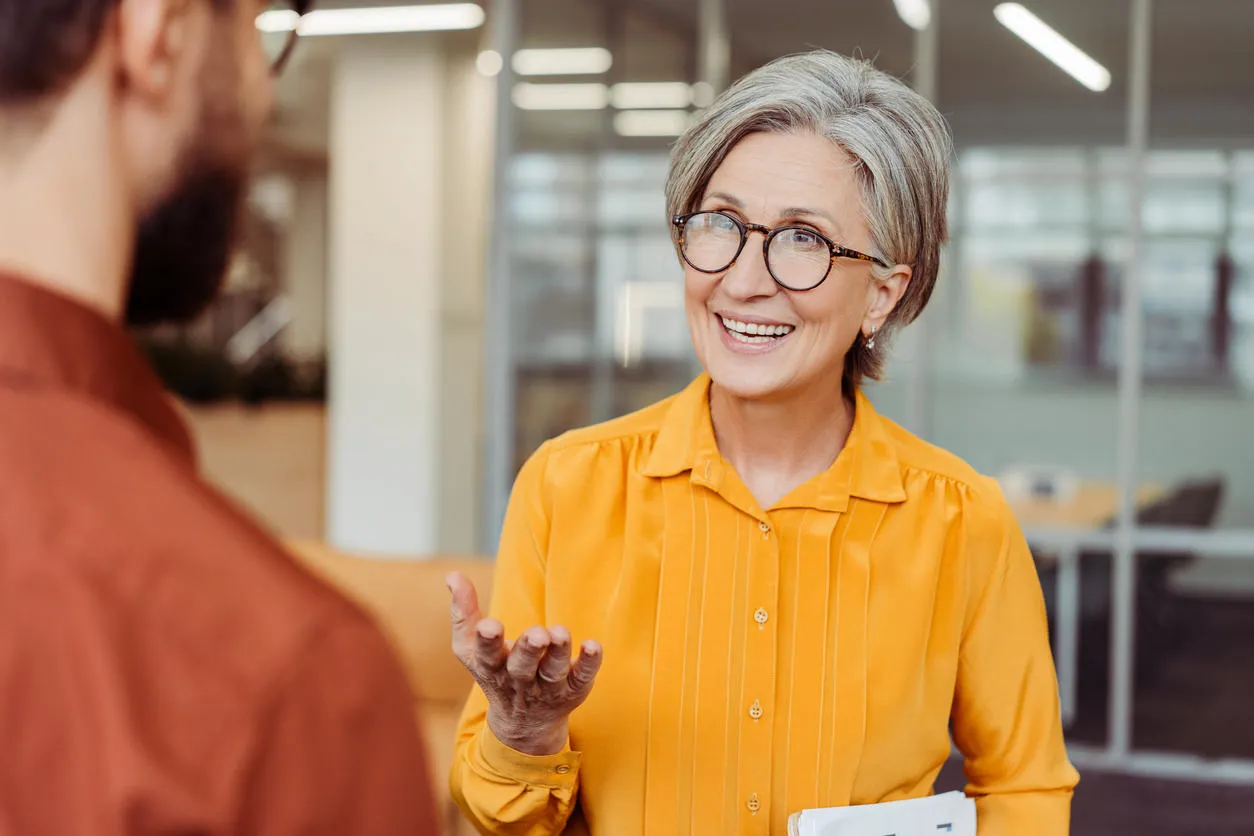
(784, 600)
(874, 165)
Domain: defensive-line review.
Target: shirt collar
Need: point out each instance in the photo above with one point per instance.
(867, 467)
(49, 341)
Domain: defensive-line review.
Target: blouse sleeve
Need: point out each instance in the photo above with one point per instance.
(503, 791)
(1006, 717)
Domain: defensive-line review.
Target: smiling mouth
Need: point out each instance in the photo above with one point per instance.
(752, 333)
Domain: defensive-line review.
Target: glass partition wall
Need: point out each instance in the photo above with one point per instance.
(1024, 385)
(1194, 588)
(596, 92)
(1090, 343)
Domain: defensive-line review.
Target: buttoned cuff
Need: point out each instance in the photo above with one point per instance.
(560, 771)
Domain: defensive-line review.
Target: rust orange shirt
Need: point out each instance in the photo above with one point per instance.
(759, 661)
(164, 667)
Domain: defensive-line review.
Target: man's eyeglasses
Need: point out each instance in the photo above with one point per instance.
(797, 257)
(279, 28)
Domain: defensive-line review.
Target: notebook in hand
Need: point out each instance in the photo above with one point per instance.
(949, 814)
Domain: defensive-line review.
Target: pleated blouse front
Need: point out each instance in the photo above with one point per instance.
(763, 661)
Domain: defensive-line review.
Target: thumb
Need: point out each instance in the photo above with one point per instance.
(464, 610)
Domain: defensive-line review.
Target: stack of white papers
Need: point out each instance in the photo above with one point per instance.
(950, 814)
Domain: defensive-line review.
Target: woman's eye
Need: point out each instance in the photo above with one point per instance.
(803, 238)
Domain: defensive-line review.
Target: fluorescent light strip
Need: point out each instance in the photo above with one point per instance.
(578, 61)
(917, 14)
(1044, 39)
(561, 96)
(375, 20)
(652, 122)
(643, 95)
(277, 21)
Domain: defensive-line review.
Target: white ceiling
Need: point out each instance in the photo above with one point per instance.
(993, 88)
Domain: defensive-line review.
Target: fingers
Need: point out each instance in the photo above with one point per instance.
(584, 672)
(524, 659)
(537, 654)
(491, 649)
(555, 665)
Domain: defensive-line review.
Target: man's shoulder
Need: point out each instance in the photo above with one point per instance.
(138, 597)
(115, 517)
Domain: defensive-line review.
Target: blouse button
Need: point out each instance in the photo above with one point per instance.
(755, 710)
(766, 528)
(754, 804)
(760, 615)
(562, 769)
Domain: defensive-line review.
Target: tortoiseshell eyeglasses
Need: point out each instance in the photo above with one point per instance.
(797, 257)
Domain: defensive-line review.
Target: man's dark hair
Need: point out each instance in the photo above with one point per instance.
(44, 44)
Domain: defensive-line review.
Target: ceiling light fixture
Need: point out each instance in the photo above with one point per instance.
(917, 14)
(561, 96)
(578, 61)
(651, 95)
(1039, 35)
(375, 20)
(652, 122)
(278, 21)
(489, 63)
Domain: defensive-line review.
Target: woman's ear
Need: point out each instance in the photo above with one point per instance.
(883, 296)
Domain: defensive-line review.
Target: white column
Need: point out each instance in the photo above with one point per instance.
(385, 225)
(469, 116)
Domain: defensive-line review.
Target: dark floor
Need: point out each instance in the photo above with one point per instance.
(1115, 805)
(1195, 681)
(1194, 694)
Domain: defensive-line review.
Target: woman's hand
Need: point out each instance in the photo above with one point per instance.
(531, 685)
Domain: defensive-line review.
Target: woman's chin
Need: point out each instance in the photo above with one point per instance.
(750, 384)
(757, 371)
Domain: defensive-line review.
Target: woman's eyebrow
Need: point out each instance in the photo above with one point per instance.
(791, 212)
(722, 197)
(803, 212)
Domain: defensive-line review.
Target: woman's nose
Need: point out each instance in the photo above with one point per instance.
(749, 277)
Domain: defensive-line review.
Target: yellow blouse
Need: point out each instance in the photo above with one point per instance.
(759, 662)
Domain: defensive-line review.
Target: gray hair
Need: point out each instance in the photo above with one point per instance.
(899, 141)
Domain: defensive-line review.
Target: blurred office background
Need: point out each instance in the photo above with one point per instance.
(457, 248)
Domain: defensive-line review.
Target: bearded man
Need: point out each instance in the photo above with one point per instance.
(165, 668)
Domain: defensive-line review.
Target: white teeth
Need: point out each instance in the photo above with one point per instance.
(754, 332)
(751, 340)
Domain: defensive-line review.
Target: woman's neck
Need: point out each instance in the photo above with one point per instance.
(777, 446)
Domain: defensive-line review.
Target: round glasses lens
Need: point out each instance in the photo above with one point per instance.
(711, 241)
(799, 259)
(277, 27)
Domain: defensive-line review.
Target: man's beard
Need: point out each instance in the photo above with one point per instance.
(183, 246)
